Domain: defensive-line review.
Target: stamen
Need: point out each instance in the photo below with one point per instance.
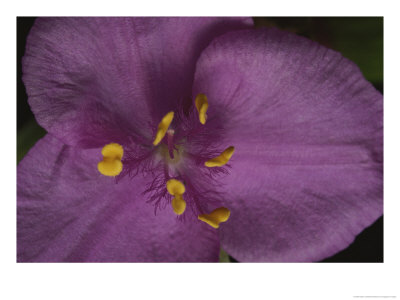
(216, 217)
(222, 159)
(176, 189)
(202, 106)
(163, 127)
(111, 164)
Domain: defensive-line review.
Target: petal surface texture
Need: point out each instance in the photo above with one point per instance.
(89, 79)
(68, 211)
(306, 176)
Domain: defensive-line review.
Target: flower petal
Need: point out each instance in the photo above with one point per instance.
(88, 79)
(306, 176)
(67, 211)
(299, 211)
(277, 88)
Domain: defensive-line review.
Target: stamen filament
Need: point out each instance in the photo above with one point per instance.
(170, 142)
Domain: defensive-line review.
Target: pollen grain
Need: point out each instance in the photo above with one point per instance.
(176, 189)
(222, 159)
(163, 127)
(201, 103)
(216, 217)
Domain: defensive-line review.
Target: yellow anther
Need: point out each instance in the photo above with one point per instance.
(163, 127)
(111, 164)
(176, 189)
(202, 106)
(222, 159)
(217, 216)
(178, 204)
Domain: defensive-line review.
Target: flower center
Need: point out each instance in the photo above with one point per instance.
(177, 170)
(165, 154)
(170, 143)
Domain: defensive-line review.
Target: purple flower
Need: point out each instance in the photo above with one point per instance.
(142, 114)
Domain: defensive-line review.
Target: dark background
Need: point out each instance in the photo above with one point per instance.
(357, 38)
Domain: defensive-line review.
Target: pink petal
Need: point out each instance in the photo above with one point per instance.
(306, 175)
(68, 211)
(93, 80)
